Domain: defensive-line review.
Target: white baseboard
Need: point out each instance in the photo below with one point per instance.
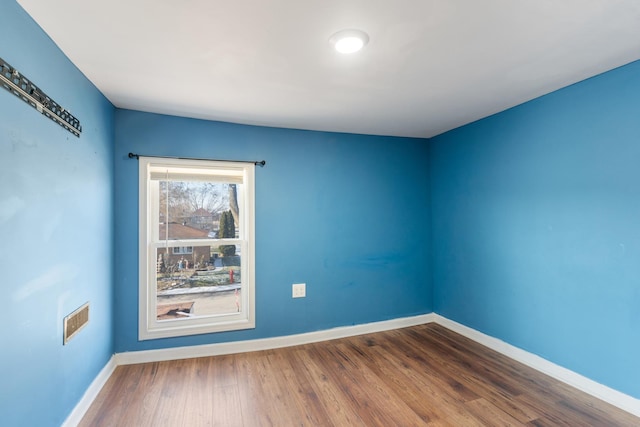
(89, 396)
(206, 350)
(602, 392)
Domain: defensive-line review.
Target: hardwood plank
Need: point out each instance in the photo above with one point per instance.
(142, 403)
(223, 370)
(489, 414)
(340, 413)
(297, 388)
(479, 374)
(376, 403)
(171, 407)
(255, 409)
(428, 396)
(420, 376)
(226, 408)
(113, 400)
(279, 400)
(459, 379)
(446, 394)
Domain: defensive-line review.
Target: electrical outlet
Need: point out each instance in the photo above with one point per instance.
(299, 290)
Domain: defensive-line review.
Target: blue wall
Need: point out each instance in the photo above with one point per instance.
(56, 202)
(536, 227)
(533, 216)
(347, 214)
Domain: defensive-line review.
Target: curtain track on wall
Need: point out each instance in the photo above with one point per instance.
(21, 87)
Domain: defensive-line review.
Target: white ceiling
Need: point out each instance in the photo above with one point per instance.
(430, 65)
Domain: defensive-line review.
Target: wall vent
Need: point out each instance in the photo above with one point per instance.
(75, 321)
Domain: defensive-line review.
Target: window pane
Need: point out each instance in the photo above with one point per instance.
(197, 210)
(206, 282)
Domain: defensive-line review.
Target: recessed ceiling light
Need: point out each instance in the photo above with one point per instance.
(349, 41)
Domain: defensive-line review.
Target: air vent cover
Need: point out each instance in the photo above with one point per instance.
(74, 322)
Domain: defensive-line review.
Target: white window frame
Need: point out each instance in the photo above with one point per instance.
(149, 327)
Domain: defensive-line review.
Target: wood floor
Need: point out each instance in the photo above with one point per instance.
(420, 376)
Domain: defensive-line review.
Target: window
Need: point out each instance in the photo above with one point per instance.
(183, 250)
(196, 247)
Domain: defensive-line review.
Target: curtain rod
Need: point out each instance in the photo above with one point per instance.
(255, 162)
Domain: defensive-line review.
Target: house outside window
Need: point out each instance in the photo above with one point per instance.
(195, 276)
